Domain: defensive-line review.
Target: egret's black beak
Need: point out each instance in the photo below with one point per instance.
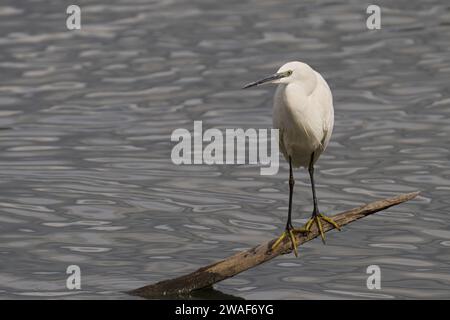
(268, 79)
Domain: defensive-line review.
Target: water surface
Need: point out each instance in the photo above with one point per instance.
(86, 118)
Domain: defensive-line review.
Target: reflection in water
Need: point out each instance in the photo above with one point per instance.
(86, 119)
(206, 293)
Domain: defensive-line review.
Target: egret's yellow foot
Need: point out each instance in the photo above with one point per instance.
(316, 218)
(290, 233)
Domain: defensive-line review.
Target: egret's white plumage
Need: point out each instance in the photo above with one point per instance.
(303, 112)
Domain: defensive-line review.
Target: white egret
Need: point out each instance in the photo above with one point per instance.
(303, 112)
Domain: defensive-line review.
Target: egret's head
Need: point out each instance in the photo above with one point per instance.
(289, 72)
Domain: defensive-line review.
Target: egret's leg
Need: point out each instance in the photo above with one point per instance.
(316, 215)
(289, 230)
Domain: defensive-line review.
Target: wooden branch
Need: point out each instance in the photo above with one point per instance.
(229, 267)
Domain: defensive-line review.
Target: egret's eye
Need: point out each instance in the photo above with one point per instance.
(289, 72)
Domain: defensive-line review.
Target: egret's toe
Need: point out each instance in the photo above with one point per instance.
(317, 219)
(289, 232)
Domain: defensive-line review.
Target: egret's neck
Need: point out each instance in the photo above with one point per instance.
(297, 91)
(308, 82)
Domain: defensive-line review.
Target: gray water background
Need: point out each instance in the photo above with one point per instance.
(86, 118)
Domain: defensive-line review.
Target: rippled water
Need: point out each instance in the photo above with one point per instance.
(86, 118)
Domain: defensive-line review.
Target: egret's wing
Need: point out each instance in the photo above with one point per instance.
(327, 109)
(327, 129)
